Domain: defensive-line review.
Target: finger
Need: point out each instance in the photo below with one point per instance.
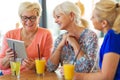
(28, 61)
(10, 55)
(9, 50)
(64, 36)
(25, 64)
(28, 64)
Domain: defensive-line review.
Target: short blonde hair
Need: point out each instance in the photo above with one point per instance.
(68, 7)
(30, 6)
(109, 10)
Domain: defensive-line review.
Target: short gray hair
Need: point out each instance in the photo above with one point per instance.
(66, 8)
(30, 6)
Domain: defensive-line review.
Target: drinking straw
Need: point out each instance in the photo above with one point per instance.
(77, 55)
(14, 50)
(14, 56)
(38, 51)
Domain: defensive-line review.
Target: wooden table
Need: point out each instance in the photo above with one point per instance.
(31, 75)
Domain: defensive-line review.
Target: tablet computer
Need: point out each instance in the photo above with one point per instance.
(18, 46)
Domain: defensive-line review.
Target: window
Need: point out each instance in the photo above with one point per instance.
(117, 0)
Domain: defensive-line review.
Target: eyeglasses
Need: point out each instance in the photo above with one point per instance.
(31, 18)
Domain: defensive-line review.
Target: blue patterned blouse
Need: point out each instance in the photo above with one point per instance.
(89, 41)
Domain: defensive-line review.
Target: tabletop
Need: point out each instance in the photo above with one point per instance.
(31, 75)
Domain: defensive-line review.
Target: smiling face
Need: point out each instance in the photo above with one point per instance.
(62, 20)
(29, 20)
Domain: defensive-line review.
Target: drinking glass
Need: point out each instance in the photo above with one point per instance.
(40, 66)
(68, 71)
(15, 67)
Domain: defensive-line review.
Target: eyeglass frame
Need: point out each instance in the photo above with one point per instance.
(31, 18)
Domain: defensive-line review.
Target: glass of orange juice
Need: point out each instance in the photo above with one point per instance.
(40, 66)
(68, 71)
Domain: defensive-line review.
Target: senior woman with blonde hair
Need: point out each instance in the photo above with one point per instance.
(31, 34)
(106, 18)
(68, 16)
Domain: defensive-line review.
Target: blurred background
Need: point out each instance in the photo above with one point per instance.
(9, 18)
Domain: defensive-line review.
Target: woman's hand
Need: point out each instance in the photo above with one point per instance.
(63, 41)
(9, 55)
(72, 40)
(29, 63)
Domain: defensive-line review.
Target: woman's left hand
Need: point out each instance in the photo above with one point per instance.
(29, 63)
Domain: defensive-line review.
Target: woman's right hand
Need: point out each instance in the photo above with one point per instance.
(9, 55)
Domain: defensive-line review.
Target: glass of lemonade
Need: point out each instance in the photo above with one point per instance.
(40, 66)
(15, 67)
(68, 71)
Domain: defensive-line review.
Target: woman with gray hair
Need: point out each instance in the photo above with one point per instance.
(106, 18)
(68, 16)
(32, 35)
